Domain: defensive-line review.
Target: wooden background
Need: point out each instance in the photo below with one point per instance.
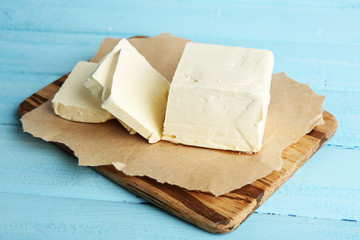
(44, 195)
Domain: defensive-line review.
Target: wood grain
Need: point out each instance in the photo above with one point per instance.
(215, 214)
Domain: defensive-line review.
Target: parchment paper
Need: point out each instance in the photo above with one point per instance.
(294, 110)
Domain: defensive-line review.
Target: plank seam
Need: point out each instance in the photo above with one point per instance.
(308, 217)
(114, 34)
(76, 198)
(355, 147)
(149, 203)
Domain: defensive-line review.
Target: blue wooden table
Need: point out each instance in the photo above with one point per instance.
(45, 195)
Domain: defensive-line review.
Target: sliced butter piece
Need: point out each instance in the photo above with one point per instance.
(137, 95)
(104, 72)
(74, 102)
(219, 97)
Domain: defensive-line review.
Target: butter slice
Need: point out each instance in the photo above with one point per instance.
(219, 97)
(103, 73)
(137, 95)
(74, 102)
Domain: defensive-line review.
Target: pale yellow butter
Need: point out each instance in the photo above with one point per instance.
(137, 94)
(74, 102)
(219, 97)
(103, 73)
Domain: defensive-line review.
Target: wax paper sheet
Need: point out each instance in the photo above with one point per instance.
(293, 111)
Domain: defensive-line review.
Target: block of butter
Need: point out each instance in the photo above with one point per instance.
(137, 94)
(104, 73)
(219, 97)
(74, 102)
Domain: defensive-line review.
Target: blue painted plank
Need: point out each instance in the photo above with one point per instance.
(57, 39)
(33, 166)
(33, 217)
(17, 87)
(297, 3)
(325, 187)
(322, 66)
(42, 59)
(302, 24)
(345, 107)
(330, 69)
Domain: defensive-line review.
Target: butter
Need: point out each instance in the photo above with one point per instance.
(137, 94)
(74, 102)
(103, 73)
(219, 97)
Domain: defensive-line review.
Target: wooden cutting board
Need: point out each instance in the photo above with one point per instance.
(215, 214)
